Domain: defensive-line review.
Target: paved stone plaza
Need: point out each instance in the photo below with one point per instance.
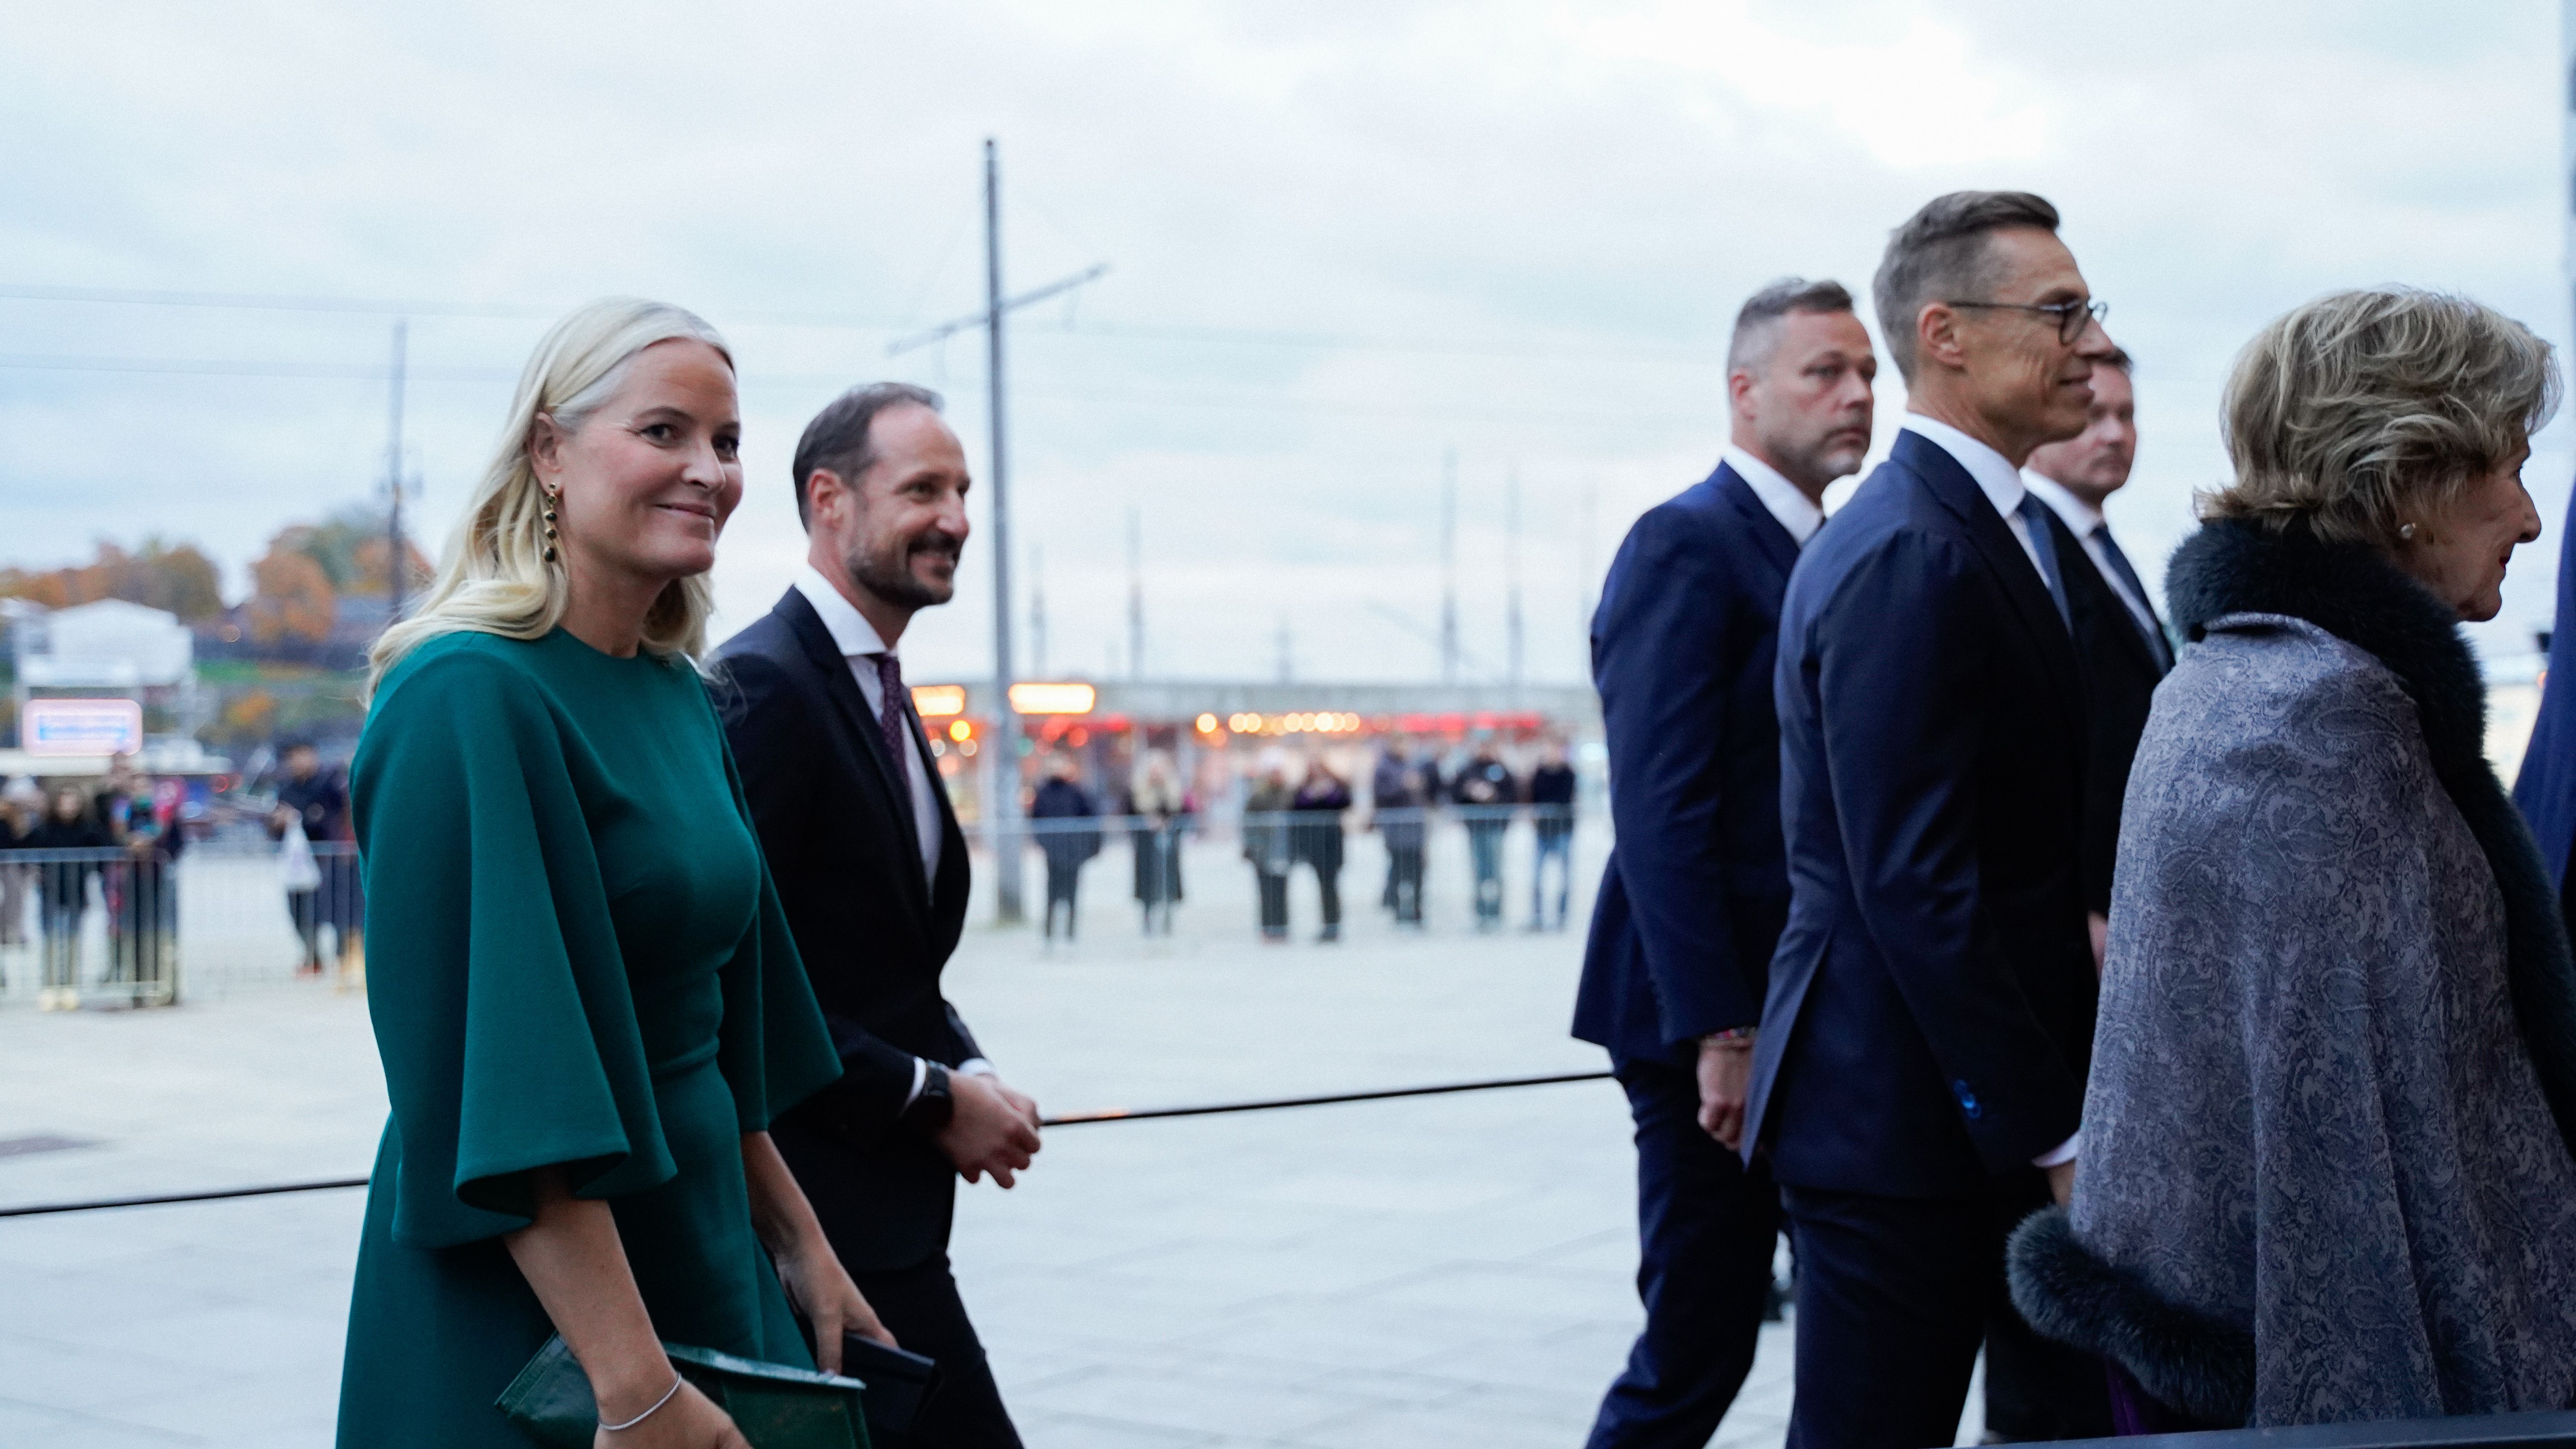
(1440, 1271)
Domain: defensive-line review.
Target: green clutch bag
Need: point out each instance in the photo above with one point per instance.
(775, 1406)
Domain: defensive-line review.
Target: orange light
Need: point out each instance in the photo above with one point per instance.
(960, 731)
(1207, 724)
(937, 701)
(1033, 698)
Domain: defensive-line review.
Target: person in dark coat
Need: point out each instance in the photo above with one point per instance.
(1918, 1080)
(1486, 793)
(1696, 888)
(1551, 798)
(1319, 802)
(318, 799)
(1065, 837)
(146, 942)
(62, 890)
(2546, 788)
(1396, 804)
(1267, 843)
(1157, 810)
(873, 875)
(2327, 1171)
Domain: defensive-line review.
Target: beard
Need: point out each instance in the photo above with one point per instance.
(886, 571)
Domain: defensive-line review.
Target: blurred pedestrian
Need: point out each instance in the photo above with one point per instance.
(19, 810)
(144, 947)
(1157, 811)
(1486, 793)
(72, 828)
(1266, 843)
(1066, 835)
(1551, 798)
(1319, 802)
(1395, 808)
(315, 802)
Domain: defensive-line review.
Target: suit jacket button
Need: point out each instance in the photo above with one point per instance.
(1967, 1101)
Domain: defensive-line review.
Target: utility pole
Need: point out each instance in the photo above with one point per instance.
(1512, 581)
(1135, 592)
(1449, 569)
(393, 477)
(1003, 748)
(1037, 611)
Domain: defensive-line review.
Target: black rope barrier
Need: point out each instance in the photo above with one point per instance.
(1070, 1119)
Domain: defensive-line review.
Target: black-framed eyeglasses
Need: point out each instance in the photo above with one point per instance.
(2071, 316)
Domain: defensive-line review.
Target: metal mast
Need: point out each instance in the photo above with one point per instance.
(1004, 807)
(1449, 565)
(393, 477)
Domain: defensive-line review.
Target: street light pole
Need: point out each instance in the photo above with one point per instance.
(1003, 809)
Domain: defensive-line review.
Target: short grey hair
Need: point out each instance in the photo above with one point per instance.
(2360, 411)
(1941, 254)
(837, 439)
(1757, 323)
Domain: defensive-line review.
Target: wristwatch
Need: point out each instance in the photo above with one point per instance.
(931, 1109)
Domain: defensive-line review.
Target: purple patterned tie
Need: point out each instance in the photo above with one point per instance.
(890, 716)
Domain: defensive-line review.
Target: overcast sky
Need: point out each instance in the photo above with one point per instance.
(1345, 240)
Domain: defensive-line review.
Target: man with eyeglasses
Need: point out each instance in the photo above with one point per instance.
(1918, 1079)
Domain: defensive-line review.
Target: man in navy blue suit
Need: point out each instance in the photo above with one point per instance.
(1918, 1082)
(1696, 890)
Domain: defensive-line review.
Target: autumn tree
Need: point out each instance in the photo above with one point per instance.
(160, 575)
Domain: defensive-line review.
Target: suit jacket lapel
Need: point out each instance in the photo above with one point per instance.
(826, 657)
(1777, 543)
(1949, 483)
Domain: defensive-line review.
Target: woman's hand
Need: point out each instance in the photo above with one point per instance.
(821, 1290)
(689, 1421)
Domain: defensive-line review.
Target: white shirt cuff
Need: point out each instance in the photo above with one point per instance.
(920, 1079)
(2063, 1153)
(977, 1067)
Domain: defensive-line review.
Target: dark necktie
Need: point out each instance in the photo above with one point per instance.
(890, 721)
(2157, 643)
(2034, 516)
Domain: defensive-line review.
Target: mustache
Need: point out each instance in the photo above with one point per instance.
(937, 541)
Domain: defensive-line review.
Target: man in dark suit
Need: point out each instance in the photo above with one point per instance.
(1696, 889)
(2125, 648)
(871, 870)
(1919, 1078)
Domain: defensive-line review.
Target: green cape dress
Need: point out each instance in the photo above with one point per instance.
(575, 958)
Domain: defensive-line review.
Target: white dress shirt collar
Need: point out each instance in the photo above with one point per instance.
(1795, 510)
(851, 632)
(1996, 477)
(2081, 517)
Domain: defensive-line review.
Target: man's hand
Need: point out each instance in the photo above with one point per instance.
(1725, 1077)
(2061, 1181)
(2098, 926)
(992, 1129)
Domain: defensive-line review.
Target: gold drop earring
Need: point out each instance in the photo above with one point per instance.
(550, 526)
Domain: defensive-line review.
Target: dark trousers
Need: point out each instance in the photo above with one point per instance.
(1404, 883)
(1062, 882)
(1894, 1296)
(921, 1307)
(1274, 901)
(1328, 883)
(1706, 1226)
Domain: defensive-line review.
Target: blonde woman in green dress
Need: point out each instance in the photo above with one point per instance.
(586, 999)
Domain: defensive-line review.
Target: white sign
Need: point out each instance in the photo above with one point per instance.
(81, 727)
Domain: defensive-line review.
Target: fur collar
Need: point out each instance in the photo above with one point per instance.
(2190, 1362)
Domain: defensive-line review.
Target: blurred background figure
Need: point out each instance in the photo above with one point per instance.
(62, 891)
(1487, 791)
(143, 943)
(1064, 804)
(1266, 843)
(20, 808)
(1320, 800)
(316, 801)
(1157, 810)
(1396, 801)
(1551, 798)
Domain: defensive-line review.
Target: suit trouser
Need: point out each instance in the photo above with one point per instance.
(1274, 901)
(1894, 1295)
(920, 1305)
(1706, 1227)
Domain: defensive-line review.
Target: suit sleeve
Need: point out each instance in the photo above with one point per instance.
(2091, 605)
(967, 1050)
(776, 752)
(1667, 632)
(1902, 692)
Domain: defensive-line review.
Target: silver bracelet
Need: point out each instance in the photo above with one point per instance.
(676, 1381)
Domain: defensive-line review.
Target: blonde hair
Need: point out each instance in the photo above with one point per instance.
(2361, 411)
(493, 577)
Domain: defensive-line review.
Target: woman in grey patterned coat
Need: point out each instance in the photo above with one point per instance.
(2325, 1172)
